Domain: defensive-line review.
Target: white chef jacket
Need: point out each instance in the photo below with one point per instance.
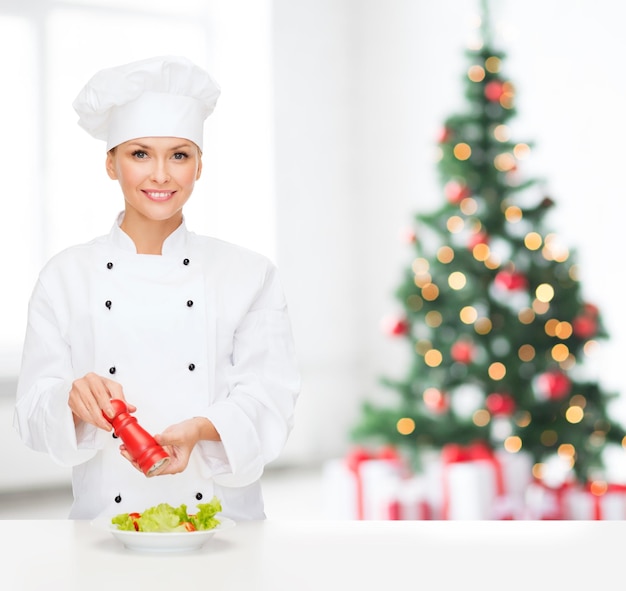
(201, 330)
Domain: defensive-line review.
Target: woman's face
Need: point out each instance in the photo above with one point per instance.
(157, 175)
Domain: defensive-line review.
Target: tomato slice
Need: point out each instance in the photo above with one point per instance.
(135, 517)
(189, 526)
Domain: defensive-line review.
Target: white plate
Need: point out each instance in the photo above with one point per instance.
(162, 541)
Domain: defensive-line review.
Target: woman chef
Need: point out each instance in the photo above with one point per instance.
(192, 332)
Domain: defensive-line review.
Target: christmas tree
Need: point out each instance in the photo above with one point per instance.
(492, 307)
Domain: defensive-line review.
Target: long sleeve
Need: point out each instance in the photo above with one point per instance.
(263, 381)
(42, 416)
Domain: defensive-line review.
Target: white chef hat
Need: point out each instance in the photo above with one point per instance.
(165, 96)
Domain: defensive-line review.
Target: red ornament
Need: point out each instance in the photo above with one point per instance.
(477, 238)
(462, 352)
(444, 135)
(455, 192)
(591, 310)
(408, 236)
(500, 404)
(395, 326)
(585, 327)
(494, 90)
(142, 447)
(435, 400)
(511, 280)
(553, 385)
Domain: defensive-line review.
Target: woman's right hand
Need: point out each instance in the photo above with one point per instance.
(90, 396)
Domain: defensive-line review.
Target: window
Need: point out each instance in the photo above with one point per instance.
(54, 181)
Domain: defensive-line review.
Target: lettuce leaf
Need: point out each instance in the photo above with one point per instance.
(205, 517)
(166, 518)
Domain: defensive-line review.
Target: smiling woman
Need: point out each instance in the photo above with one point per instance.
(60, 194)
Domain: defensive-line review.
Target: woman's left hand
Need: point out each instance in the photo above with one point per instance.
(178, 441)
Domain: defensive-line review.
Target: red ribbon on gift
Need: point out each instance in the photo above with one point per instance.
(597, 496)
(559, 495)
(354, 460)
(396, 512)
(452, 453)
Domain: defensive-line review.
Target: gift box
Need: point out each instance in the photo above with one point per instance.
(363, 485)
(596, 501)
(409, 500)
(477, 483)
(546, 501)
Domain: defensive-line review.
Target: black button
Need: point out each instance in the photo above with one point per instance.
(109, 265)
(118, 499)
(108, 304)
(185, 261)
(112, 370)
(189, 303)
(199, 496)
(191, 367)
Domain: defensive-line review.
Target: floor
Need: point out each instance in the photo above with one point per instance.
(290, 493)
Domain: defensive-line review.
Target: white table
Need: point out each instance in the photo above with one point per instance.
(64, 555)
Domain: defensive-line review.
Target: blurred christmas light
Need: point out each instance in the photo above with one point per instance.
(481, 251)
(523, 419)
(433, 358)
(420, 265)
(455, 224)
(598, 487)
(548, 437)
(481, 418)
(513, 214)
(497, 371)
(483, 326)
(457, 280)
(513, 444)
(492, 64)
(445, 255)
(433, 318)
(476, 73)
(526, 353)
(468, 206)
(430, 292)
(550, 327)
(508, 94)
(468, 315)
(521, 151)
(544, 292)
(563, 330)
(462, 151)
(504, 162)
(405, 426)
(574, 414)
(502, 132)
(526, 316)
(566, 451)
(533, 241)
(560, 352)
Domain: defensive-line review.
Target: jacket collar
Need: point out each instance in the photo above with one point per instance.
(174, 243)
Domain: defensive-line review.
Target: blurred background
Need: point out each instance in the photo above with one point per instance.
(320, 152)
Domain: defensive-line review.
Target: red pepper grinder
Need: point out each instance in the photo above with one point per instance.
(139, 443)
